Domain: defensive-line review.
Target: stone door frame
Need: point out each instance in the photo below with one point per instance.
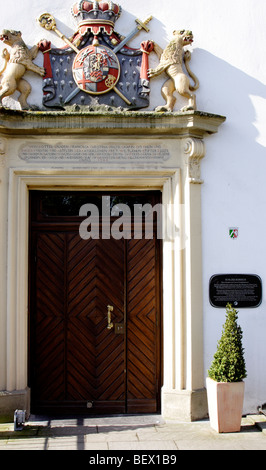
(183, 391)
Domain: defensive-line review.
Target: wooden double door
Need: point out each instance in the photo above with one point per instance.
(95, 312)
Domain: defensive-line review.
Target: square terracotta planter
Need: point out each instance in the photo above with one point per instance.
(225, 403)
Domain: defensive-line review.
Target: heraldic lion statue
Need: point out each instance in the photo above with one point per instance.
(171, 60)
(17, 62)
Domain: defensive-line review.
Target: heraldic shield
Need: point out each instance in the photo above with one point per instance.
(95, 67)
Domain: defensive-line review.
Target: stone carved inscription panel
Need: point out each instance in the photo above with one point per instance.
(129, 154)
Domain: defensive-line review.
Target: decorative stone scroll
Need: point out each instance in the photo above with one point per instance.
(3, 145)
(195, 151)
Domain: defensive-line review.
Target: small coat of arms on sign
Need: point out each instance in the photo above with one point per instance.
(233, 232)
(96, 67)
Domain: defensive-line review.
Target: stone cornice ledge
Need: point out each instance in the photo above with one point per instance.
(192, 123)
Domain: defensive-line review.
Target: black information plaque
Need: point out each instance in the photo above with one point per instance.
(240, 290)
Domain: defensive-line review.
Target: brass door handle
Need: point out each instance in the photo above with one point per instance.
(110, 309)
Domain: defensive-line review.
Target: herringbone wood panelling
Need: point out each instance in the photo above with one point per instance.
(48, 338)
(96, 362)
(76, 358)
(76, 362)
(142, 334)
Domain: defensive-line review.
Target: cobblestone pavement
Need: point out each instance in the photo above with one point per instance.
(135, 433)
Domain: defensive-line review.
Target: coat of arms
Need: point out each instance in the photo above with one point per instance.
(233, 233)
(96, 66)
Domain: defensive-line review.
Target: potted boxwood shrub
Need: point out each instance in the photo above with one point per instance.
(225, 386)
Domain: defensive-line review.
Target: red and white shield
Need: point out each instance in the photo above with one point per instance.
(96, 69)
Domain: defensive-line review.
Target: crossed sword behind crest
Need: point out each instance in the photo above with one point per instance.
(47, 21)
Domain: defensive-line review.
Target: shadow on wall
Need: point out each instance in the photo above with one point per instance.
(224, 89)
(237, 154)
(227, 90)
(234, 166)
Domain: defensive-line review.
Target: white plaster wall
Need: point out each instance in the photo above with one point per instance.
(229, 60)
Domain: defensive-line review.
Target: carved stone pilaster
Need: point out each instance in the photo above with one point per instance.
(195, 151)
